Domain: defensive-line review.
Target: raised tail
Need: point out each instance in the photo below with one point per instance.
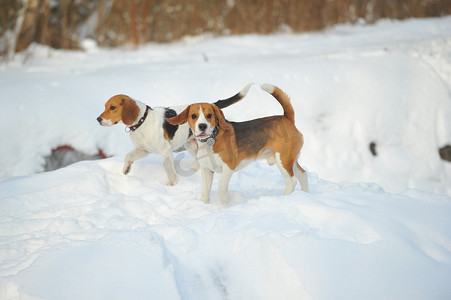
(234, 99)
(283, 99)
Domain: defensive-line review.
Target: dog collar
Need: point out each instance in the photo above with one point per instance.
(211, 139)
(140, 122)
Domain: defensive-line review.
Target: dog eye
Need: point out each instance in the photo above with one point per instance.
(209, 116)
(193, 116)
(112, 107)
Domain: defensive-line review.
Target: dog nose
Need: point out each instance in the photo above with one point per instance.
(99, 119)
(202, 126)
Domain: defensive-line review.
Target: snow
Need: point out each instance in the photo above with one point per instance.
(389, 84)
(89, 232)
(372, 227)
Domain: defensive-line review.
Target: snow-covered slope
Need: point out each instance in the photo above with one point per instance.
(89, 232)
(388, 84)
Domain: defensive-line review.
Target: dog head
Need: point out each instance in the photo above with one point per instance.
(202, 119)
(119, 108)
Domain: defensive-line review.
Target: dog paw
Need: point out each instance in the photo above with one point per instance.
(127, 168)
(225, 201)
(171, 183)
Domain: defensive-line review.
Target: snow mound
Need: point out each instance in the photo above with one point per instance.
(89, 232)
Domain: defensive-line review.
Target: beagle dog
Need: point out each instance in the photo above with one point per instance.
(150, 132)
(227, 147)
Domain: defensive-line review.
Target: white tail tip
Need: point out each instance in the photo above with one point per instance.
(267, 87)
(244, 91)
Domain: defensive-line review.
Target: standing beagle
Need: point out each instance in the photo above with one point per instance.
(149, 130)
(229, 146)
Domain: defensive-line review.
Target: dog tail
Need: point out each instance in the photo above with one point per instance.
(283, 99)
(234, 99)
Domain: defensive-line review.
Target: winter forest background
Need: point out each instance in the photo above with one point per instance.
(63, 24)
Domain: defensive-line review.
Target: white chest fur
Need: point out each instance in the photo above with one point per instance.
(149, 135)
(208, 159)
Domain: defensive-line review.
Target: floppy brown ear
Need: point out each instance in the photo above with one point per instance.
(130, 111)
(220, 116)
(181, 118)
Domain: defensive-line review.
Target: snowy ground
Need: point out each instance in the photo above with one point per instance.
(389, 84)
(89, 232)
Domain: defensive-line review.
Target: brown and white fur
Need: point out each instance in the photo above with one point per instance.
(236, 144)
(154, 134)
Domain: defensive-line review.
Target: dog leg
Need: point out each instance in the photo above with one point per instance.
(207, 179)
(170, 169)
(301, 175)
(223, 187)
(191, 146)
(290, 181)
(131, 157)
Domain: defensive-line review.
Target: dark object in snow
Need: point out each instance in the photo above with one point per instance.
(373, 148)
(205, 57)
(66, 155)
(445, 152)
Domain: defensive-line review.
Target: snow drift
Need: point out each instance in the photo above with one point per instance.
(89, 232)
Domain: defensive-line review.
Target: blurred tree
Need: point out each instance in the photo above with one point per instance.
(61, 24)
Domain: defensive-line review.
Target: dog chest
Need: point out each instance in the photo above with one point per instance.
(208, 159)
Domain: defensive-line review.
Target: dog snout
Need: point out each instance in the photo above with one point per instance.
(202, 126)
(99, 119)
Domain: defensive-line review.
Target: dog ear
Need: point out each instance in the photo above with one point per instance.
(130, 111)
(220, 116)
(181, 118)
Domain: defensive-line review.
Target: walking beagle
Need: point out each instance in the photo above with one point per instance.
(227, 147)
(149, 130)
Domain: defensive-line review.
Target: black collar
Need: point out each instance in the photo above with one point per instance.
(141, 121)
(211, 139)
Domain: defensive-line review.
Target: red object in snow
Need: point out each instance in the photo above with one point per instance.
(70, 148)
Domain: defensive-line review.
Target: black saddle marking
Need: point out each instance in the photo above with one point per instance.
(168, 127)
